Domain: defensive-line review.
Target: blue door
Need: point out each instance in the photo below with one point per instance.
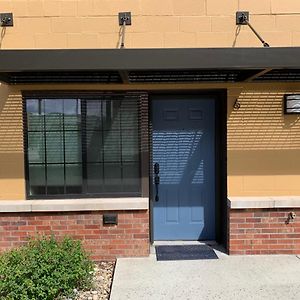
(184, 149)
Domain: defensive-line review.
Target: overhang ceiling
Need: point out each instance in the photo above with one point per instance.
(131, 66)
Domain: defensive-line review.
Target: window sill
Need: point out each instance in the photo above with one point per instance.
(263, 202)
(75, 205)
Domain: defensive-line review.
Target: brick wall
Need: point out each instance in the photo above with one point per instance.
(263, 231)
(129, 238)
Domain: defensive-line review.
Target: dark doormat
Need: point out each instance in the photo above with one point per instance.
(184, 252)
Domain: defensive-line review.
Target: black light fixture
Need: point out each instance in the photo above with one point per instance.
(292, 104)
(124, 20)
(242, 18)
(6, 19)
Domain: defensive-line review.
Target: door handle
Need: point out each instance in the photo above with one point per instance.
(156, 181)
(156, 168)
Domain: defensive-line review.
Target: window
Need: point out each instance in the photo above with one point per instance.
(82, 146)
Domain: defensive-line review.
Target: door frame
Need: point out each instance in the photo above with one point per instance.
(220, 157)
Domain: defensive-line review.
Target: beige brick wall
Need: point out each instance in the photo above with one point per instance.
(263, 143)
(258, 134)
(12, 183)
(155, 23)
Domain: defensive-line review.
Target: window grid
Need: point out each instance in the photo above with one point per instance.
(84, 146)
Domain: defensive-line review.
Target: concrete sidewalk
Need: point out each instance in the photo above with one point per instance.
(229, 277)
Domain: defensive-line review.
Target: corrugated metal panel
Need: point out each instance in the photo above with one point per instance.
(280, 75)
(190, 76)
(133, 76)
(158, 76)
(63, 77)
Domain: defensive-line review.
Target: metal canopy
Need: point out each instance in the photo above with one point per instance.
(150, 65)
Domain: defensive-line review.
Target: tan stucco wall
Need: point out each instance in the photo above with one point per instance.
(12, 183)
(263, 143)
(155, 23)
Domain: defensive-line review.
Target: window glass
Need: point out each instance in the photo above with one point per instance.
(112, 146)
(87, 146)
(94, 146)
(94, 115)
(72, 114)
(55, 179)
(73, 178)
(37, 179)
(112, 177)
(129, 116)
(35, 115)
(130, 145)
(95, 182)
(111, 112)
(131, 173)
(36, 147)
(72, 142)
(54, 147)
(53, 114)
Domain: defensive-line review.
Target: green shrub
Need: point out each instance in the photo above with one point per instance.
(45, 269)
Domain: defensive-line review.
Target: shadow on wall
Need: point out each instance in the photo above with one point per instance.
(2, 34)
(11, 134)
(236, 34)
(261, 139)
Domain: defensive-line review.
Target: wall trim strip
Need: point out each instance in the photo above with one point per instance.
(94, 204)
(263, 202)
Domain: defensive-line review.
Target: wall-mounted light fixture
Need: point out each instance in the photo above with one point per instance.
(124, 20)
(242, 18)
(6, 19)
(292, 104)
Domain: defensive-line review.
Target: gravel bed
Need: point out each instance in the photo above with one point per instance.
(102, 283)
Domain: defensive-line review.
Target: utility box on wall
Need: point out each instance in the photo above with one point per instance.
(110, 219)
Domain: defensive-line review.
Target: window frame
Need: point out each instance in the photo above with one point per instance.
(86, 95)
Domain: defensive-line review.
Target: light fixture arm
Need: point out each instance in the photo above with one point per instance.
(124, 20)
(243, 19)
(122, 45)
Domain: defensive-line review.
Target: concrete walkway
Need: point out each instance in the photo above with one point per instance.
(229, 277)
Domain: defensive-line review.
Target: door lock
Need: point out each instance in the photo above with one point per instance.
(156, 179)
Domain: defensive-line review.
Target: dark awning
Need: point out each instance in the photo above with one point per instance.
(150, 65)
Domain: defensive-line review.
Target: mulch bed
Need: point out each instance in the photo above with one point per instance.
(102, 283)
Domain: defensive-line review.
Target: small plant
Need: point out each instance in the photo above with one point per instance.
(45, 269)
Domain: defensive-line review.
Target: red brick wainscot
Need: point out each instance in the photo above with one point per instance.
(130, 237)
(264, 231)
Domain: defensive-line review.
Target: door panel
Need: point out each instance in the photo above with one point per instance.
(184, 147)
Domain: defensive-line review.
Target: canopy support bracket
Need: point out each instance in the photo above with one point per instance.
(256, 75)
